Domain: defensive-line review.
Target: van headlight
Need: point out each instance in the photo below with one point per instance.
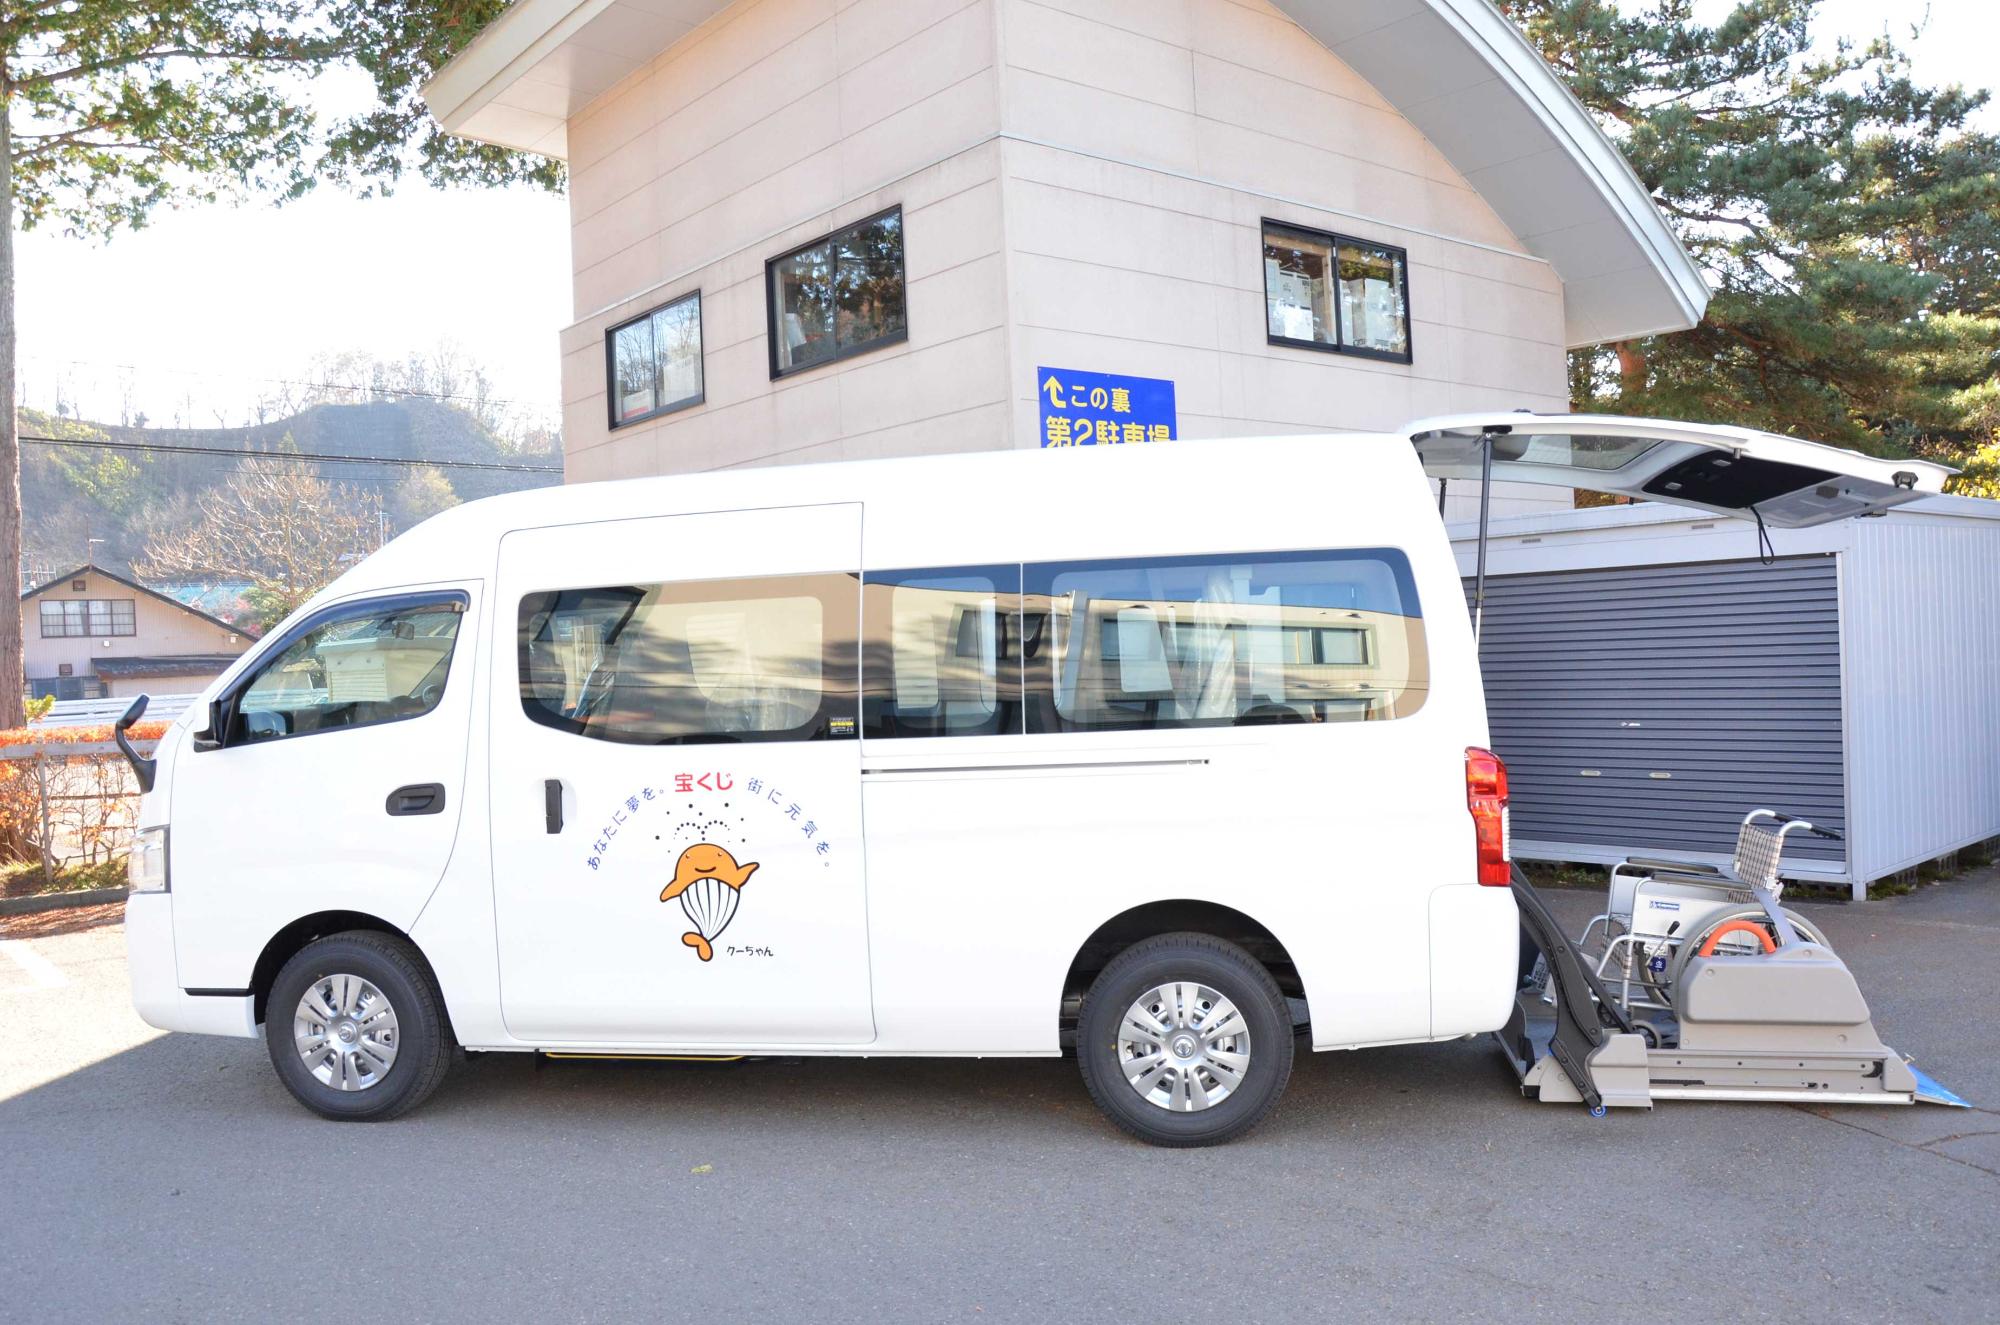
(146, 867)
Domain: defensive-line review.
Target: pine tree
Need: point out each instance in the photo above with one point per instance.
(1847, 218)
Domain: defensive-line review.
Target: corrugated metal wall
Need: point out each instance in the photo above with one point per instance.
(1922, 599)
(1650, 707)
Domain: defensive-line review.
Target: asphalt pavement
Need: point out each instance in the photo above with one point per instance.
(153, 1177)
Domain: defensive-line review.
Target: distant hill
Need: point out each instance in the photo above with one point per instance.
(71, 495)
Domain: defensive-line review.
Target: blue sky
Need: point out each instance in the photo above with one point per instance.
(198, 315)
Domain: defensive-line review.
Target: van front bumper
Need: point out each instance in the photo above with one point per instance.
(157, 995)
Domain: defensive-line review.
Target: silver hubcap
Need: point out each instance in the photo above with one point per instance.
(1184, 1047)
(345, 1031)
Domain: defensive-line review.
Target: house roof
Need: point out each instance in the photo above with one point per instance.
(1457, 69)
(114, 577)
(185, 664)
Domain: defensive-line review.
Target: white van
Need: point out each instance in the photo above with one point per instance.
(1170, 754)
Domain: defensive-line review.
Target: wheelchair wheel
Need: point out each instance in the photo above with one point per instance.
(1738, 943)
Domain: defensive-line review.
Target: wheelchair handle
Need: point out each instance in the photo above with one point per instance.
(1793, 821)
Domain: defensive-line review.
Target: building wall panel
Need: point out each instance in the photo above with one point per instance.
(1922, 599)
(1086, 179)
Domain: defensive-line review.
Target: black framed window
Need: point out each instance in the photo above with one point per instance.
(838, 296)
(1332, 292)
(93, 618)
(940, 651)
(653, 362)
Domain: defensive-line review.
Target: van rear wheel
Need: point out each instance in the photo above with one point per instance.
(356, 1027)
(1185, 1040)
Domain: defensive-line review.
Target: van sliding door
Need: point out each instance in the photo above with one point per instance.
(676, 782)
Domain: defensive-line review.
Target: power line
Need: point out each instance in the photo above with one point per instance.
(293, 381)
(407, 462)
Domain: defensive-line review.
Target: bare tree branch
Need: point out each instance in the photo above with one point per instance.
(276, 525)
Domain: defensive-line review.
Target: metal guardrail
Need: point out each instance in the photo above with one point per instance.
(52, 766)
(62, 749)
(90, 712)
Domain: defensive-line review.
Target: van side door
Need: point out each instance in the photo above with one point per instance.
(675, 782)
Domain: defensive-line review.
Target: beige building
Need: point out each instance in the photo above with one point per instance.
(824, 229)
(91, 634)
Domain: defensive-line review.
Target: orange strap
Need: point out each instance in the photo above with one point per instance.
(1738, 927)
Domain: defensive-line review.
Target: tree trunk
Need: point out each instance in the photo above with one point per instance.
(1631, 368)
(13, 679)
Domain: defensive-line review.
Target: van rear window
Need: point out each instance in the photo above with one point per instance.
(1223, 641)
(691, 663)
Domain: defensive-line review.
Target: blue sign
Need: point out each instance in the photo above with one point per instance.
(1104, 409)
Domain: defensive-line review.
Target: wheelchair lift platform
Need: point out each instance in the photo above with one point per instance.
(1684, 1016)
(1789, 1026)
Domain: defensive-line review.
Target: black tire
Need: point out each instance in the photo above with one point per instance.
(424, 1042)
(1199, 959)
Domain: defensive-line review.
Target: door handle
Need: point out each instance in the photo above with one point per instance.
(552, 804)
(417, 798)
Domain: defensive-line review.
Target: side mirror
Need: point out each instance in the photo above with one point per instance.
(210, 737)
(142, 769)
(264, 725)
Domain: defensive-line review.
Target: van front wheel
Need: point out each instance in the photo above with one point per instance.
(1185, 1040)
(356, 1027)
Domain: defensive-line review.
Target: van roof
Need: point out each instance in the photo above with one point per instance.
(459, 543)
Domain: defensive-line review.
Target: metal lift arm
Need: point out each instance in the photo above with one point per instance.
(1583, 1011)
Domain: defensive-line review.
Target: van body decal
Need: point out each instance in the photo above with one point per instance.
(723, 828)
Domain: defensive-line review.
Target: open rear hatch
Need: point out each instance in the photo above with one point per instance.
(1802, 1033)
(1787, 483)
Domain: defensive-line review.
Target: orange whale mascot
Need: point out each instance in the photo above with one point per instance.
(709, 883)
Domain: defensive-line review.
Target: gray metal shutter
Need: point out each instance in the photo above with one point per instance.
(1652, 707)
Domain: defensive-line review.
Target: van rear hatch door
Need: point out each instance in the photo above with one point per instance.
(1731, 471)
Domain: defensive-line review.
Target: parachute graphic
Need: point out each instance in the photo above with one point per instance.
(710, 905)
(709, 883)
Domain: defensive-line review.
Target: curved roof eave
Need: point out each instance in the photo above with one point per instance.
(1458, 70)
(1469, 80)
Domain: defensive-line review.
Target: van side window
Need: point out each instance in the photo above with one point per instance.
(940, 652)
(363, 665)
(768, 659)
(1236, 640)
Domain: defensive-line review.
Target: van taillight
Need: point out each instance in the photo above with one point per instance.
(1486, 797)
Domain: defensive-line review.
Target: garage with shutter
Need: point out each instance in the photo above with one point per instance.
(1650, 678)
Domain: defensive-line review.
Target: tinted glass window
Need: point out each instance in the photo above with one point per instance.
(1330, 292)
(364, 666)
(1223, 641)
(940, 653)
(685, 663)
(1583, 452)
(1298, 285)
(838, 296)
(1374, 304)
(655, 361)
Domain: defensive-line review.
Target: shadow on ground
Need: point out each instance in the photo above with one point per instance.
(178, 1180)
